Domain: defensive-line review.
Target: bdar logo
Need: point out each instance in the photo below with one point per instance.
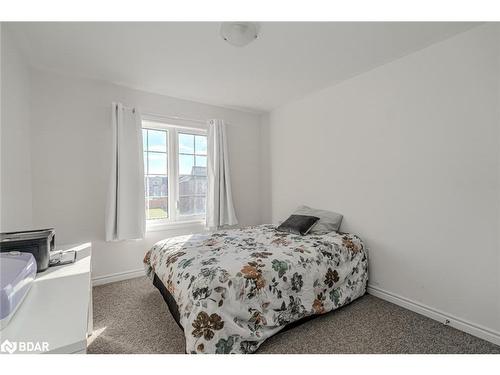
(8, 347)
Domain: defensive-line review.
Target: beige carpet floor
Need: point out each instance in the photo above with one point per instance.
(131, 317)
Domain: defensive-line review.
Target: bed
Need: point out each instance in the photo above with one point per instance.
(230, 290)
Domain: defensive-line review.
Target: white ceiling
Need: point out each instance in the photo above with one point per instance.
(191, 61)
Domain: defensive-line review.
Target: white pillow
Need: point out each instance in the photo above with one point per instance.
(329, 221)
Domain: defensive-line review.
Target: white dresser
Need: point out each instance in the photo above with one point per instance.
(57, 312)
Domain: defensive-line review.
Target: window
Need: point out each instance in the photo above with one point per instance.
(156, 173)
(175, 172)
(192, 174)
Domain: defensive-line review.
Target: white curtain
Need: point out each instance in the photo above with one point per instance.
(220, 210)
(125, 212)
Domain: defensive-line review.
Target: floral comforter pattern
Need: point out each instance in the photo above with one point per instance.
(235, 288)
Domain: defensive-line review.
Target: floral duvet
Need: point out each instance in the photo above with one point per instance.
(235, 288)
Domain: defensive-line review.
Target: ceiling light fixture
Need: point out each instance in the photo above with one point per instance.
(239, 34)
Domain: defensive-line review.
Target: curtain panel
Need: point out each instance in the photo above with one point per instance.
(125, 212)
(220, 209)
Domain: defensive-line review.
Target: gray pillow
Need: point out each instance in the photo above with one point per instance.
(329, 221)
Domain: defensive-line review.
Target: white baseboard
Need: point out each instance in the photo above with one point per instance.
(460, 324)
(101, 280)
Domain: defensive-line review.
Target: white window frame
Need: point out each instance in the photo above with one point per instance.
(174, 220)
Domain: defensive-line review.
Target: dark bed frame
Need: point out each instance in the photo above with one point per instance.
(172, 305)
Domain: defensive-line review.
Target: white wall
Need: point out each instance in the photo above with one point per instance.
(265, 169)
(71, 159)
(409, 153)
(16, 204)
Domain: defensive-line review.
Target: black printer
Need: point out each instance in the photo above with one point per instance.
(37, 242)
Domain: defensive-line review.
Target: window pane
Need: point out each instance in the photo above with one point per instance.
(157, 163)
(186, 185)
(186, 205)
(156, 208)
(201, 145)
(186, 143)
(155, 145)
(186, 163)
(200, 185)
(144, 139)
(201, 161)
(157, 140)
(157, 186)
(199, 205)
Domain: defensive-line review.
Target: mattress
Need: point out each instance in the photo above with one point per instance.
(232, 289)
